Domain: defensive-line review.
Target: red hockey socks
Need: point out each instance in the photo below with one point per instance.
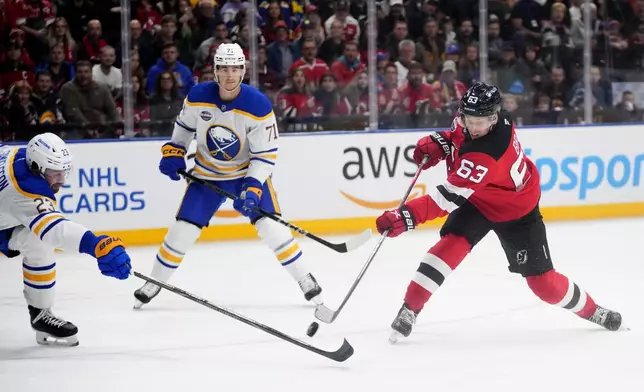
(556, 289)
(437, 264)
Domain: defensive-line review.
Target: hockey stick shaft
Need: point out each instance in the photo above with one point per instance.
(342, 248)
(340, 355)
(324, 315)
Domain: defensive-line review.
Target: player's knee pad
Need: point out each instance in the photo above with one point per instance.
(38, 267)
(280, 239)
(551, 286)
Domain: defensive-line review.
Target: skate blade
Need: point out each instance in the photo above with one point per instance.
(324, 314)
(44, 339)
(137, 305)
(395, 335)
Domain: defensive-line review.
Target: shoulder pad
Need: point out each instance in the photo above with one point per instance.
(27, 183)
(202, 93)
(254, 103)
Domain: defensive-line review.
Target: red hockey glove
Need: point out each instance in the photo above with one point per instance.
(396, 221)
(436, 146)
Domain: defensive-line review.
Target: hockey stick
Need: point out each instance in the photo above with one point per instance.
(340, 355)
(343, 247)
(325, 314)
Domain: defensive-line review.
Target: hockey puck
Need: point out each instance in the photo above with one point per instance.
(313, 328)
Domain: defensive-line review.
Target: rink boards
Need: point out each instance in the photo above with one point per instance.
(336, 182)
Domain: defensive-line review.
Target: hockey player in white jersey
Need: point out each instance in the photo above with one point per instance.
(237, 149)
(31, 226)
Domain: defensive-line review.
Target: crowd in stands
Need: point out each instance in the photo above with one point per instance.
(61, 60)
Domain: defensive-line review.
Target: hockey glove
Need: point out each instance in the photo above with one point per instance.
(396, 221)
(173, 159)
(436, 146)
(251, 194)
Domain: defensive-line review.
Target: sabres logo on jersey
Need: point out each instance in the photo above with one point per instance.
(223, 143)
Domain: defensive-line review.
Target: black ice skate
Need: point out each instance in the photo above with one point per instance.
(51, 330)
(311, 289)
(608, 319)
(145, 294)
(403, 323)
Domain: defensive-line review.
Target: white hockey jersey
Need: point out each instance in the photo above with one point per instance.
(235, 138)
(28, 200)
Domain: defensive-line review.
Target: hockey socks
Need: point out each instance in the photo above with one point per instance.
(556, 289)
(287, 250)
(435, 267)
(180, 237)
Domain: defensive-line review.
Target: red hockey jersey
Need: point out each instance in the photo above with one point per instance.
(491, 172)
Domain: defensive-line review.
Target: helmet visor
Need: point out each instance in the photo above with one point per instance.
(477, 125)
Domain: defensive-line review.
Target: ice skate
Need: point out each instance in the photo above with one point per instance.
(403, 323)
(311, 289)
(145, 294)
(608, 319)
(51, 330)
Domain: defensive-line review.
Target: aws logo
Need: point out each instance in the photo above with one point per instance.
(220, 213)
(378, 163)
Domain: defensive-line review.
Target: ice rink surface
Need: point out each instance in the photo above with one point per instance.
(483, 331)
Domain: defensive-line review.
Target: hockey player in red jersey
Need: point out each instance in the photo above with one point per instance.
(491, 186)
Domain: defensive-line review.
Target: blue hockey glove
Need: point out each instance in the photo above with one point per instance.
(112, 259)
(251, 194)
(173, 159)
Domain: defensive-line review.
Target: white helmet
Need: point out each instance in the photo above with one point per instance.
(48, 151)
(230, 55)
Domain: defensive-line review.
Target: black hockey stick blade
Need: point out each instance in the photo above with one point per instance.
(340, 355)
(343, 247)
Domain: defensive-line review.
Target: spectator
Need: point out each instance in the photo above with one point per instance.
(137, 69)
(296, 100)
(451, 90)
(389, 96)
(140, 107)
(348, 65)
(142, 44)
(557, 87)
(168, 62)
(32, 17)
(416, 91)
(17, 38)
(87, 102)
(395, 38)
(601, 90)
(350, 26)
(313, 67)
(77, 13)
(59, 34)
(307, 33)
(20, 113)
(495, 42)
(274, 14)
(281, 53)
(431, 47)
(466, 34)
(46, 100)
(333, 46)
(92, 42)
(407, 49)
(203, 52)
(60, 70)
(165, 103)
(13, 69)
(468, 67)
(356, 97)
(327, 97)
(230, 10)
(627, 109)
(149, 16)
(106, 73)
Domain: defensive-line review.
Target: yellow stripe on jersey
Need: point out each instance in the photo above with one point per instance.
(45, 222)
(265, 156)
(209, 165)
(232, 176)
(249, 115)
